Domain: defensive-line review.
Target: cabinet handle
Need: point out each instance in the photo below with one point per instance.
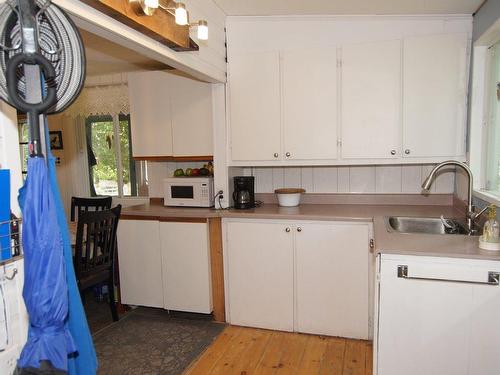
(299, 229)
(276, 154)
(493, 278)
(393, 152)
(407, 151)
(287, 230)
(287, 154)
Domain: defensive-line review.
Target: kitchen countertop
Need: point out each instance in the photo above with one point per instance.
(456, 246)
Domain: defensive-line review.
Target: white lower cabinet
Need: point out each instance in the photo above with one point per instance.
(185, 261)
(259, 275)
(307, 277)
(139, 260)
(437, 316)
(332, 267)
(165, 265)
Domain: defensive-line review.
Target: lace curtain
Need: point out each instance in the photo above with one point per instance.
(101, 100)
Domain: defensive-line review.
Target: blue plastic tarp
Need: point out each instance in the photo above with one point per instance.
(45, 288)
(58, 330)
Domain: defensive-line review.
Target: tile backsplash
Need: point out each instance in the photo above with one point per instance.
(355, 179)
(387, 179)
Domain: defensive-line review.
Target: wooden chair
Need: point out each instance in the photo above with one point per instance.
(95, 251)
(80, 205)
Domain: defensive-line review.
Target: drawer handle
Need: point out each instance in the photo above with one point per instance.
(493, 278)
(276, 154)
(287, 230)
(299, 229)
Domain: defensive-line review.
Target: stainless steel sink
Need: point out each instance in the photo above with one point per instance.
(427, 225)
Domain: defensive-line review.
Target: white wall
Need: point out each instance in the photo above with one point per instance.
(9, 152)
(257, 34)
(207, 64)
(359, 179)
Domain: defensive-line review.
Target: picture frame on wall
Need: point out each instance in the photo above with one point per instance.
(56, 140)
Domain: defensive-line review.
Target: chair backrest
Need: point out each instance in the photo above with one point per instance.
(96, 242)
(89, 204)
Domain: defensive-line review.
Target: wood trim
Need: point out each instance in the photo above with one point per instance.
(174, 158)
(217, 268)
(159, 201)
(183, 219)
(161, 26)
(165, 219)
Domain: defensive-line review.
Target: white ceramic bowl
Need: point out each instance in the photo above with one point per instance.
(289, 197)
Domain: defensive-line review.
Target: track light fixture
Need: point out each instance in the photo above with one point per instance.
(175, 8)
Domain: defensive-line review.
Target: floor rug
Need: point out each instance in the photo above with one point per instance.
(151, 341)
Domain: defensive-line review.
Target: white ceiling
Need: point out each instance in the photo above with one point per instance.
(332, 7)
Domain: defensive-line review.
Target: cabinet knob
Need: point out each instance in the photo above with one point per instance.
(287, 154)
(276, 155)
(287, 230)
(407, 151)
(393, 152)
(299, 229)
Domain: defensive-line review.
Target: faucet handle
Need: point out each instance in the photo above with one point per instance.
(475, 215)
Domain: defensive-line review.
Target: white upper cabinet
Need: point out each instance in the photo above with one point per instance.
(254, 105)
(150, 114)
(345, 91)
(371, 100)
(310, 104)
(434, 92)
(192, 131)
(170, 115)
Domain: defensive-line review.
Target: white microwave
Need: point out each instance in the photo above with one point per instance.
(189, 191)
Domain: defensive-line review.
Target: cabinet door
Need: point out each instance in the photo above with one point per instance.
(423, 325)
(186, 267)
(485, 327)
(371, 100)
(254, 105)
(191, 117)
(140, 263)
(332, 264)
(434, 91)
(150, 115)
(310, 104)
(259, 275)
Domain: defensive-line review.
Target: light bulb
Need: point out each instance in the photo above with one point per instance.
(151, 3)
(181, 17)
(202, 30)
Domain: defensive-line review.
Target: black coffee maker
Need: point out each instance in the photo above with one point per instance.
(244, 195)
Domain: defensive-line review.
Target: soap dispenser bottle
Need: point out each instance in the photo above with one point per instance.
(491, 230)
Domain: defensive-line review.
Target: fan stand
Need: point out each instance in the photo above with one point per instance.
(33, 94)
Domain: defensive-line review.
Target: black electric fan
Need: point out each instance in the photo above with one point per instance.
(42, 63)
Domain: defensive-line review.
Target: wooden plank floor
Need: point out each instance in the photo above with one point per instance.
(250, 351)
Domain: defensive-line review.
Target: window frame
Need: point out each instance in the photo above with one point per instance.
(480, 103)
(115, 119)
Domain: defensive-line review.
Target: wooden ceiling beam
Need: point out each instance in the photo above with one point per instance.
(160, 26)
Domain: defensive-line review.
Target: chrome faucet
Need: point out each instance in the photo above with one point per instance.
(471, 215)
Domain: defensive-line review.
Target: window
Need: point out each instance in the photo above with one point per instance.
(112, 170)
(493, 133)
